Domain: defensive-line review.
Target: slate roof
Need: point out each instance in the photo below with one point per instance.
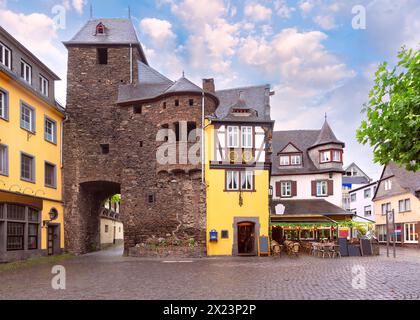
(406, 179)
(150, 76)
(309, 206)
(183, 85)
(326, 136)
(304, 140)
(153, 84)
(117, 31)
(53, 103)
(358, 168)
(255, 98)
(27, 52)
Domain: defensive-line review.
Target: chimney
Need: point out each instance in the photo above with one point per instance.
(208, 85)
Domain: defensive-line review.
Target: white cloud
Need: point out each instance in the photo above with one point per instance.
(212, 40)
(326, 22)
(296, 57)
(282, 9)
(36, 32)
(257, 12)
(160, 31)
(196, 13)
(306, 6)
(78, 5)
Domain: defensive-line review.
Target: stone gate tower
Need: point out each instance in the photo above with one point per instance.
(116, 105)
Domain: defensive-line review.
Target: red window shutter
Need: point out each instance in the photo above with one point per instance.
(278, 189)
(330, 187)
(313, 187)
(294, 188)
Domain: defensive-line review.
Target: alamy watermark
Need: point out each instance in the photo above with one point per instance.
(359, 20)
(58, 282)
(358, 281)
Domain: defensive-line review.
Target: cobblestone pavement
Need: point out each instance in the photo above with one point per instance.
(107, 275)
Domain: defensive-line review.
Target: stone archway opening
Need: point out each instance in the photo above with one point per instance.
(83, 218)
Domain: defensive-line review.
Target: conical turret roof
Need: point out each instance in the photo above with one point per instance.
(326, 136)
(183, 85)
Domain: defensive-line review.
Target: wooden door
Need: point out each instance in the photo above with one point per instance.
(246, 238)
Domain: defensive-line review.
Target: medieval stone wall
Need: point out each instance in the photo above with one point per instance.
(177, 209)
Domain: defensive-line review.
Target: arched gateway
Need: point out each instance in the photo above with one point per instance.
(116, 105)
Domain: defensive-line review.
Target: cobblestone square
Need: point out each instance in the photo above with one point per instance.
(108, 275)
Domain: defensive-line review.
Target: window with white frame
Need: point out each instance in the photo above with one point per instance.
(50, 130)
(232, 180)
(247, 178)
(286, 188)
(26, 72)
(284, 160)
(385, 207)
(368, 210)
(233, 137)
(404, 205)
(381, 233)
(353, 197)
(410, 234)
(239, 180)
(388, 184)
(43, 85)
(326, 156)
(336, 155)
(246, 133)
(4, 104)
(295, 159)
(321, 188)
(4, 159)
(5, 56)
(367, 193)
(27, 117)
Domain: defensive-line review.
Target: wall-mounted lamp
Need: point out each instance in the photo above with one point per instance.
(53, 214)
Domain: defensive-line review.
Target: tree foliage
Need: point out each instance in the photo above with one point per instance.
(116, 198)
(392, 126)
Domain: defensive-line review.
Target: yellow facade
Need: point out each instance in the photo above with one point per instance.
(224, 207)
(400, 217)
(20, 141)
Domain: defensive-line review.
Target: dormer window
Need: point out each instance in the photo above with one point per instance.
(100, 29)
(290, 160)
(331, 155)
(295, 159)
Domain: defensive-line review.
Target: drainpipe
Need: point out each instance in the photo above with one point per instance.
(62, 137)
(131, 63)
(203, 158)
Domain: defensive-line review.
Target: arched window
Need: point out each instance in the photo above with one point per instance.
(100, 28)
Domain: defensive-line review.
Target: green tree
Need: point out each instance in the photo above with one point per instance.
(116, 198)
(392, 126)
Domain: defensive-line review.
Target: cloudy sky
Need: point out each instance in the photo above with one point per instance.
(313, 52)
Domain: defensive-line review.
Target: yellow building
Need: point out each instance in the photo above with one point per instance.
(398, 191)
(31, 209)
(237, 172)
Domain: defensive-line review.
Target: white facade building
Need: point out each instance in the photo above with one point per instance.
(303, 184)
(361, 202)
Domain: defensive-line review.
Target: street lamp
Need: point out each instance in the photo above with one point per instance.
(53, 215)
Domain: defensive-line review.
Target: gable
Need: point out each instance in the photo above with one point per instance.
(290, 148)
(396, 189)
